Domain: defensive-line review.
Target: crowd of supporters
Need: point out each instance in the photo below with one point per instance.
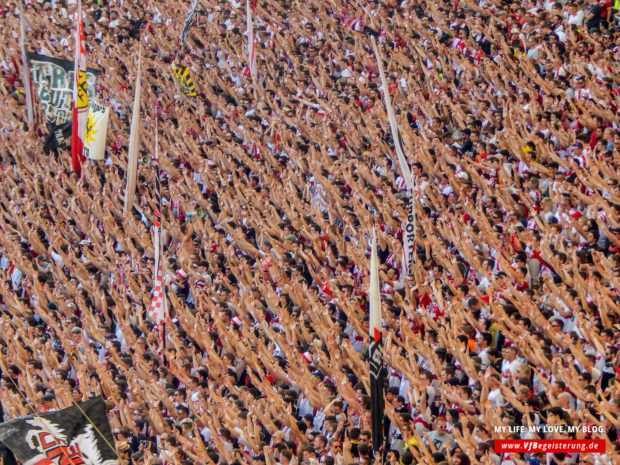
(508, 114)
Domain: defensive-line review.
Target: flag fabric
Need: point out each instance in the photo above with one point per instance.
(402, 160)
(189, 21)
(186, 85)
(134, 139)
(63, 436)
(54, 82)
(375, 352)
(251, 41)
(6, 456)
(80, 97)
(409, 236)
(56, 137)
(26, 76)
(157, 311)
(96, 131)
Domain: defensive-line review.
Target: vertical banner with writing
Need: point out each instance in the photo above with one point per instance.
(375, 352)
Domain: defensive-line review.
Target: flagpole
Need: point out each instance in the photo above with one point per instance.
(414, 256)
(80, 97)
(134, 138)
(26, 69)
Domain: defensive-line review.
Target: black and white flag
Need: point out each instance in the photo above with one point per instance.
(375, 352)
(62, 437)
(189, 21)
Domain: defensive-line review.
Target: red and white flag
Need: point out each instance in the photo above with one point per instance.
(80, 97)
(157, 312)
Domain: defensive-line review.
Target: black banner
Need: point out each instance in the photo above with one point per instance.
(375, 353)
(6, 456)
(64, 437)
(54, 82)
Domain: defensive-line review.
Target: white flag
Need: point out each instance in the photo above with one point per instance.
(134, 139)
(251, 44)
(96, 131)
(404, 167)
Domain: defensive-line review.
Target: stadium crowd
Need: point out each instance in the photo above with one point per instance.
(508, 113)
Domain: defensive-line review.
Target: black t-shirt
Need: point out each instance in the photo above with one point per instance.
(595, 21)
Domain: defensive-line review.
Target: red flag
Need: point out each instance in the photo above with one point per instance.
(80, 98)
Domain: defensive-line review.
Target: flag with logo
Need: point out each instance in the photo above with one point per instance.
(96, 131)
(186, 85)
(134, 139)
(80, 97)
(54, 81)
(375, 352)
(78, 434)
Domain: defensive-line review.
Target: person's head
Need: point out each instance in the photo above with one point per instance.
(440, 424)
(610, 353)
(509, 352)
(308, 453)
(335, 446)
(393, 456)
(523, 393)
(486, 339)
(557, 325)
(320, 441)
(285, 457)
(123, 450)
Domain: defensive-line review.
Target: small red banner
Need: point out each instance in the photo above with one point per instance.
(551, 446)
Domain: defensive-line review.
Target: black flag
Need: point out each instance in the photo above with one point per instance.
(6, 456)
(63, 436)
(375, 352)
(54, 79)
